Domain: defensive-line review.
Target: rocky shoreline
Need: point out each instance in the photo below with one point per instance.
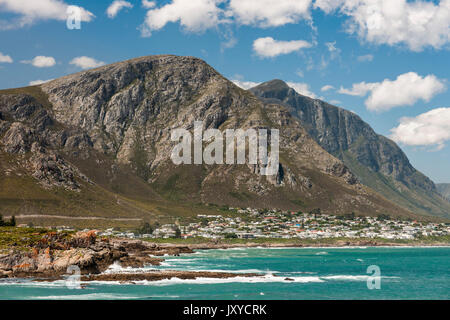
(54, 253)
(51, 256)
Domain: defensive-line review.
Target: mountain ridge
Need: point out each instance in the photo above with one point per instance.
(97, 143)
(340, 132)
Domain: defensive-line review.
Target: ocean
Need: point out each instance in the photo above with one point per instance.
(285, 274)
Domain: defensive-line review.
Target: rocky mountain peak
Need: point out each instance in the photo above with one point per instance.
(274, 89)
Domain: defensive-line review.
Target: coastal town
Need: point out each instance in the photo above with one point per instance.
(276, 224)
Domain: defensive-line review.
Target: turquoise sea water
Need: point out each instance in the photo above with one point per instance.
(317, 273)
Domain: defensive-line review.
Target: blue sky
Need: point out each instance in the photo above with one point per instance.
(386, 60)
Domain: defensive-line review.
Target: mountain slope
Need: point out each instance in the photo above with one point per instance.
(444, 189)
(377, 161)
(97, 144)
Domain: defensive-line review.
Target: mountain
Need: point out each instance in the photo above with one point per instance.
(93, 149)
(444, 189)
(376, 160)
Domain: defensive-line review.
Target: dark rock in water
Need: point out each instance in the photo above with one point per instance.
(289, 279)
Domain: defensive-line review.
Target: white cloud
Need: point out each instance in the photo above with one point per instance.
(365, 58)
(5, 58)
(269, 13)
(418, 24)
(269, 48)
(38, 82)
(332, 46)
(41, 62)
(200, 15)
(86, 62)
(406, 90)
(428, 129)
(229, 40)
(328, 6)
(32, 11)
(303, 89)
(358, 89)
(300, 73)
(245, 84)
(148, 4)
(193, 15)
(334, 53)
(116, 7)
(327, 88)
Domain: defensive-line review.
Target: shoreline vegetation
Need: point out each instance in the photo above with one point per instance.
(44, 255)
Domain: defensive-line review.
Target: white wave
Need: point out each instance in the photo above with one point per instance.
(116, 269)
(322, 253)
(165, 264)
(29, 283)
(183, 261)
(353, 277)
(262, 279)
(94, 296)
(227, 249)
(346, 277)
(238, 271)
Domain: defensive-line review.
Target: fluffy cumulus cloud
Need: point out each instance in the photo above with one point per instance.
(406, 90)
(269, 47)
(199, 15)
(115, 7)
(417, 24)
(193, 15)
(269, 13)
(86, 62)
(5, 58)
(428, 129)
(41, 62)
(30, 12)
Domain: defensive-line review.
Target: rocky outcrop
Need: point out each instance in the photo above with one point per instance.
(56, 252)
(18, 139)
